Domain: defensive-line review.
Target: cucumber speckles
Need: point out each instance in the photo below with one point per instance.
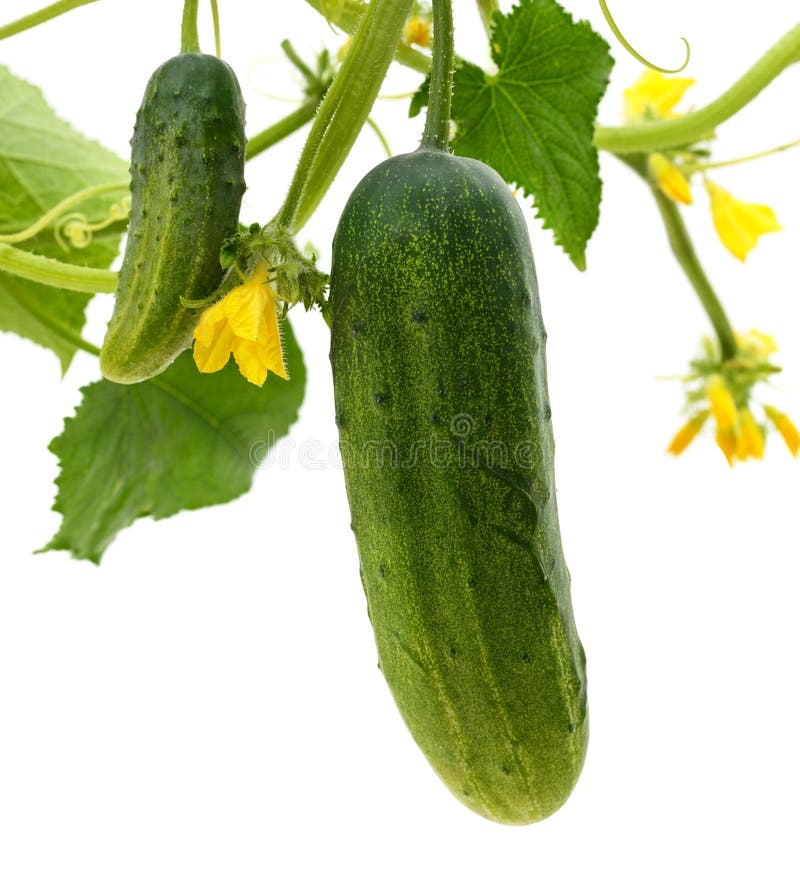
(437, 351)
(187, 182)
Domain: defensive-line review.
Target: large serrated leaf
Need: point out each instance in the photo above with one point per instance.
(180, 441)
(533, 120)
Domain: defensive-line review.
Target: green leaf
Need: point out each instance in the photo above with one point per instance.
(42, 314)
(180, 441)
(420, 98)
(43, 160)
(533, 120)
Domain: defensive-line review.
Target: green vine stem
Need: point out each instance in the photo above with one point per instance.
(658, 135)
(190, 42)
(695, 126)
(685, 254)
(55, 273)
(43, 15)
(345, 109)
(291, 53)
(437, 123)
(348, 18)
(215, 20)
(281, 129)
(380, 136)
(692, 167)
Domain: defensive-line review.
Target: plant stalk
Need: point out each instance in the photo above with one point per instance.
(43, 15)
(651, 136)
(215, 20)
(190, 42)
(281, 129)
(55, 273)
(684, 252)
(345, 109)
(700, 124)
(437, 123)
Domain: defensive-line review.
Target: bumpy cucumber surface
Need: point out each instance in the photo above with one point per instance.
(187, 182)
(440, 384)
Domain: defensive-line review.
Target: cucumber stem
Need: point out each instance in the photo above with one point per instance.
(684, 252)
(43, 15)
(344, 110)
(437, 123)
(190, 42)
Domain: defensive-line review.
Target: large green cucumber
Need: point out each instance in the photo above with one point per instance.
(440, 384)
(187, 182)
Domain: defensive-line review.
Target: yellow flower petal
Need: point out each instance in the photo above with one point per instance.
(654, 96)
(213, 338)
(245, 324)
(723, 407)
(750, 442)
(272, 346)
(785, 427)
(250, 360)
(727, 442)
(245, 305)
(255, 358)
(669, 178)
(687, 433)
(739, 224)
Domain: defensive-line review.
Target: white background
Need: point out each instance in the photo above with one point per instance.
(206, 703)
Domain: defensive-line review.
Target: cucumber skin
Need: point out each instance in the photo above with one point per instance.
(437, 338)
(187, 182)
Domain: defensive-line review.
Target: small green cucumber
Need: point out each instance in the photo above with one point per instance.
(187, 182)
(438, 358)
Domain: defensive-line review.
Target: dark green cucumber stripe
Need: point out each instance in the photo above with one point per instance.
(437, 346)
(187, 182)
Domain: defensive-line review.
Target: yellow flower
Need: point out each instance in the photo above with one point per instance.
(785, 427)
(739, 224)
(244, 324)
(654, 96)
(728, 389)
(750, 441)
(669, 178)
(723, 407)
(687, 433)
(417, 32)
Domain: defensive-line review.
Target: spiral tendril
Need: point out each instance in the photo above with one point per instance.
(79, 226)
(629, 48)
(79, 232)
